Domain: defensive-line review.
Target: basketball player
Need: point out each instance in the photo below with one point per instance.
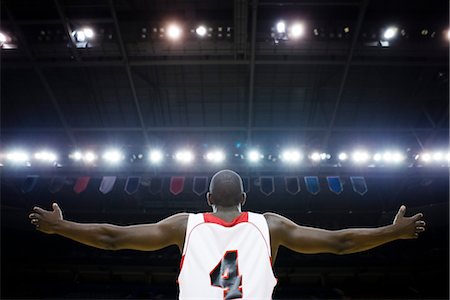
(227, 254)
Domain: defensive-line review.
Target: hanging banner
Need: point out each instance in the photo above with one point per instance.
(56, 184)
(155, 185)
(312, 184)
(29, 183)
(132, 185)
(246, 184)
(107, 184)
(292, 184)
(359, 184)
(177, 184)
(266, 186)
(81, 184)
(335, 184)
(200, 185)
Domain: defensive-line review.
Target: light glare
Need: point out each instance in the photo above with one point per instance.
(17, 156)
(254, 156)
(80, 36)
(291, 156)
(390, 33)
(426, 157)
(88, 32)
(156, 156)
(174, 31)
(343, 156)
(297, 30)
(281, 27)
(113, 156)
(201, 30)
(215, 156)
(2, 38)
(184, 156)
(360, 156)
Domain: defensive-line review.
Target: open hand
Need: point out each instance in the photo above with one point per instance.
(409, 227)
(45, 220)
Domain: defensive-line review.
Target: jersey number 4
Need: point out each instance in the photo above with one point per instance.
(226, 275)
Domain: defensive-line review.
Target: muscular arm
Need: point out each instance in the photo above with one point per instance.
(314, 240)
(169, 231)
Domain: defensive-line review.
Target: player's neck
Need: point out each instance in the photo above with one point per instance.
(227, 210)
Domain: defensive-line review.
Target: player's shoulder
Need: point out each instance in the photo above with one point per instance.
(274, 220)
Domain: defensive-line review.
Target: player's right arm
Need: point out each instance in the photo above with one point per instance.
(284, 232)
(146, 237)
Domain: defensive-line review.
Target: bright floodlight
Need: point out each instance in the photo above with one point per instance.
(184, 156)
(291, 156)
(174, 31)
(17, 156)
(360, 156)
(2, 38)
(447, 157)
(297, 30)
(281, 27)
(45, 156)
(426, 157)
(315, 156)
(390, 33)
(80, 36)
(377, 157)
(77, 155)
(438, 156)
(201, 30)
(156, 156)
(343, 156)
(88, 32)
(215, 156)
(113, 156)
(89, 157)
(254, 156)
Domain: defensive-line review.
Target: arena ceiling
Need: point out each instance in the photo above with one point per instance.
(131, 85)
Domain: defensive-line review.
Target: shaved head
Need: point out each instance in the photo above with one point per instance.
(226, 188)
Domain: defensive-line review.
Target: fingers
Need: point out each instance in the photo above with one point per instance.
(34, 216)
(39, 210)
(401, 211)
(417, 216)
(420, 229)
(420, 223)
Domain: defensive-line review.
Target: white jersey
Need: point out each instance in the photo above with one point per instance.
(226, 260)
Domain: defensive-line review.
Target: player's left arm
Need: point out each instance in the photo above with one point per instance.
(315, 240)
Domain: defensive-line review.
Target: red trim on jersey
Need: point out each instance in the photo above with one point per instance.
(181, 262)
(210, 218)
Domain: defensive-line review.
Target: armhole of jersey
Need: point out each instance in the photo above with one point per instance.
(193, 220)
(260, 221)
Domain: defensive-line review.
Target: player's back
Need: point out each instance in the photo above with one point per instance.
(226, 260)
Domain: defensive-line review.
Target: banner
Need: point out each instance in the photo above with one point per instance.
(107, 184)
(266, 186)
(132, 185)
(81, 184)
(292, 184)
(29, 183)
(335, 184)
(200, 185)
(312, 184)
(56, 184)
(155, 185)
(359, 184)
(177, 184)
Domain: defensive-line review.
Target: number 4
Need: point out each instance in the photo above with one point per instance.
(226, 275)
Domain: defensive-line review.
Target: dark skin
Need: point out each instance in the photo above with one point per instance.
(283, 232)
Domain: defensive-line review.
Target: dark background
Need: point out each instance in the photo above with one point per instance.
(328, 92)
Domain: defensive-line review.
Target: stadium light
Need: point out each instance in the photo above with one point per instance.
(426, 157)
(174, 31)
(297, 30)
(156, 156)
(438, 156)
(360, 156)
(3, 38)
(315, 156)
(89, 157)
(88, 32)
(45, 156)
(377, 157)
(113, 156)
(291, 156)
(281, 27)
(184, 156)
(390, 33)
(77, 155)
(254, 155)
(201, 30)
(216, 156)
(342, 156)
(17, 156)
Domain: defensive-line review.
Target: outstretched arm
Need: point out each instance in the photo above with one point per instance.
(314, 240)
(169, 231)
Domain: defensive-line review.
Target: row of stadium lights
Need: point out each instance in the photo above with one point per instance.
(281, 30)
(290, 156)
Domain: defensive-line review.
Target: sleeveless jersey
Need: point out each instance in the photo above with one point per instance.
(226, 260)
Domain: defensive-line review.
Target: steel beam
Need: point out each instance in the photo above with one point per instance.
(406, 130)
(251, 84)
(42, 78)
(67, 29)
(362, 13)
(128, 71)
